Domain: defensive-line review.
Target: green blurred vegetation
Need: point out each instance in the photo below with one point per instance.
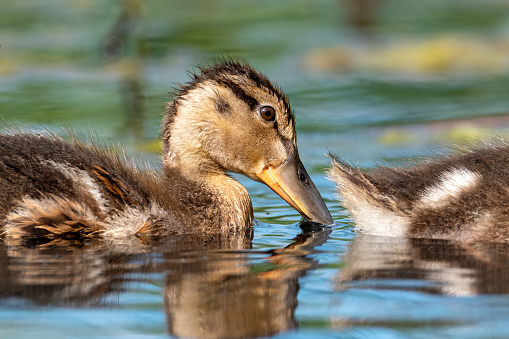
(346, 65)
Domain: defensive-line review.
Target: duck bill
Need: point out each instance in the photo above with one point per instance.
(291, 182)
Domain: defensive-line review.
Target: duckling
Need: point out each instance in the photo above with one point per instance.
(227, 118)
(461, 196)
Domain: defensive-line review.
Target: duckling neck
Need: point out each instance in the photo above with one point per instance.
(207, 193)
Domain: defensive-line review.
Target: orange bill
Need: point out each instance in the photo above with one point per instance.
(292, 183)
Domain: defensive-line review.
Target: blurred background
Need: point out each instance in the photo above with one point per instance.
(368, 79)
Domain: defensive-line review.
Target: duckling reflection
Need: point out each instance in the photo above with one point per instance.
(70, 273)
(208, 293)
(247, 301)
(428, 265)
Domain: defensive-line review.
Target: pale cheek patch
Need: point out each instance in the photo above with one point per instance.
(452, 184)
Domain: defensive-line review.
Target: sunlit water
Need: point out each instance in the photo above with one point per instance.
(288, 281)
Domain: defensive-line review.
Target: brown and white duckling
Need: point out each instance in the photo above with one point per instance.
(462, 197)
(228, 118)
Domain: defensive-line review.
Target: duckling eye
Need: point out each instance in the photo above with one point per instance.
(267, 113)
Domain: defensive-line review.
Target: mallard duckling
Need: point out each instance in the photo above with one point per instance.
(461, 197)
(228, 118)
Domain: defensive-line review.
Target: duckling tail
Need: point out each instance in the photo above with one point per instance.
(53, 217)
(370, 207)
(351, 180)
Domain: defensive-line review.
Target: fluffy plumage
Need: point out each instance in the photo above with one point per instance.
(462, 196)
(84, 191)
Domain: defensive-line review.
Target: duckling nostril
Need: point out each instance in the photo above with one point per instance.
(303, 178)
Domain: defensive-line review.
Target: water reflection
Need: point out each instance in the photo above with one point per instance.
(430, 266)
(213, 287)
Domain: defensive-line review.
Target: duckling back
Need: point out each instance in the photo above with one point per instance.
(50, 187)
(461, 196)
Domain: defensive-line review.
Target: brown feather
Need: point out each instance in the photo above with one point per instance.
(112, 184)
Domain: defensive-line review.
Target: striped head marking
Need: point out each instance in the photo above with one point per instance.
(233, 114)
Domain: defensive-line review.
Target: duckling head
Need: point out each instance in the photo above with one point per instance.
(230, 117)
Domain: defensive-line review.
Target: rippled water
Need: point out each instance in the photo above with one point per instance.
(428, 73)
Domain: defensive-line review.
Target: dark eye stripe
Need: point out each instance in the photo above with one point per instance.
(239, 92)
